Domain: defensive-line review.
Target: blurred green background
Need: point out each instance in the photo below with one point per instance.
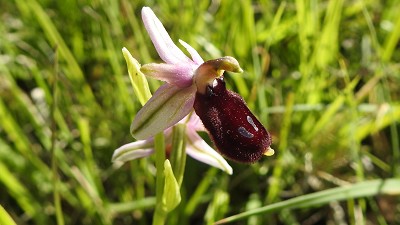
(322, 76)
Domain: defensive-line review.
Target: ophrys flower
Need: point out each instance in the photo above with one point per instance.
(235, 131)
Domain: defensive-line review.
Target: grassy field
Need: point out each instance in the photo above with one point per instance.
(322, 76)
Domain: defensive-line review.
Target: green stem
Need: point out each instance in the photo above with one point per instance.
(160, 214)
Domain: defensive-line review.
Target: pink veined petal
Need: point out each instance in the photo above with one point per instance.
(165, 47)
(168, 106)
(185, 119)
(195, 122)
(195, 55)
(198, 149)
(133, 150)
(180, 75)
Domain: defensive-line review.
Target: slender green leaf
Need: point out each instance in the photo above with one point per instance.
(358, 190)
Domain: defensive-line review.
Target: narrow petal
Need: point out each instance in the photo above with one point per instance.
(195, 122)
(134, 150)
(165, 47)
(198, 149)
(168, 105)
(179, 75)
(195, 55)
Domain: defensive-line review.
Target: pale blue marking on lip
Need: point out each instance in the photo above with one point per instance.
(250, 120)
(245, 133)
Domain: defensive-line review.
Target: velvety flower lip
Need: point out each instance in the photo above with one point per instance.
(236, 132)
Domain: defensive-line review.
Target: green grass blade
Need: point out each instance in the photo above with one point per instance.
(127, 207)
(358, 190)
(392, 40)
(16, 189)
(74, 73)
(5, 218)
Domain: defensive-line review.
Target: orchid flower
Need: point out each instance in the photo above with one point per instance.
(191, 84)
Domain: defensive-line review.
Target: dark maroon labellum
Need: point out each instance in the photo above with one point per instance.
(235, 131)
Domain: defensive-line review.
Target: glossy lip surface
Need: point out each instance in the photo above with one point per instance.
(236, 132)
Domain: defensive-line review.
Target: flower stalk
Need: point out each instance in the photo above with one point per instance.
(168, 194)
(178, 152)
(160, 213)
